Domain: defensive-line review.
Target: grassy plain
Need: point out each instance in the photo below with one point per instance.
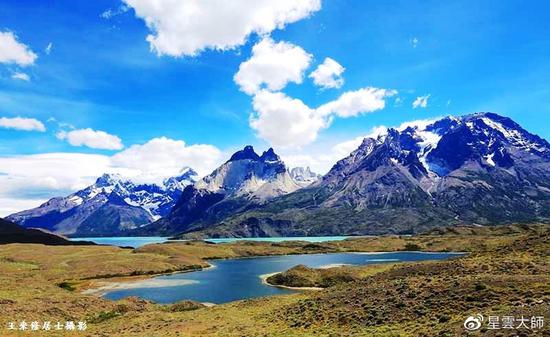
(507, 272)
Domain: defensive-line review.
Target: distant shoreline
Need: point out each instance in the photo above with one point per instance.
(141, 281)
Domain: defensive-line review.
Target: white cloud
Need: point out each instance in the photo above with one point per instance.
(109, 13)
(20, 76)
(187, 27)
(19, 123)
(321, 157)
(164, 157)
(13, 51)
(414, 42)
(48, 49)
(288, 122)
(328, 74)
(91, 138)
(273, 65)
(421, 101)
(284, 121)
(352, 103)
(419, 123)
(28, 180)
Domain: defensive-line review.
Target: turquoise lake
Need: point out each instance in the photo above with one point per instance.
(136, 242)
(237, 279)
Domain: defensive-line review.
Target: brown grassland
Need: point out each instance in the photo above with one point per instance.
(507, 272)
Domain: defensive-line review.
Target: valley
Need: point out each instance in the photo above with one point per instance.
(506, 268)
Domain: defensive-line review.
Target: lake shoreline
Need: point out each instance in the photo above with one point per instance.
(127, 281)
(106, 288)
(264, 278)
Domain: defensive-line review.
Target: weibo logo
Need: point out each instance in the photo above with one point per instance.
(473, 323)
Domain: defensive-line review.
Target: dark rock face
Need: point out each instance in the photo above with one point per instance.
(246, 153)
(477, 169)
(193, 206)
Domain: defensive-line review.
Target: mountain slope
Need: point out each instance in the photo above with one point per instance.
(13, 233)
(111, 206)
(481, 168)
(245, 180)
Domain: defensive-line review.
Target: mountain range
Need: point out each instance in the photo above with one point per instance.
(110, 206)
(476, 169)
(480, 168)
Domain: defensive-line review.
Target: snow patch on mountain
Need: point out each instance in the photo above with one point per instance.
(246, 174)
(64, 214)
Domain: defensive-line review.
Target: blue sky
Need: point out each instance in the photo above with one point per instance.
(101, 73)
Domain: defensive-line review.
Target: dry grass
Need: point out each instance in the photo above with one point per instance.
(507, 272)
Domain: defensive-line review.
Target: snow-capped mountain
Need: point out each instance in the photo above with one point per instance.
(303, 176)
(246, 179)
(476, 169)
(249, 175)
(111, 205)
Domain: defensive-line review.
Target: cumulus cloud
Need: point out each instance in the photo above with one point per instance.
(321, 157)
(26, 181)
(328, 74)
(20, 76)
(164, 157)
(420, 101)
(91, 138)
(285, 121)
(20, 123)
(13, 51)
(187, 27)
(273, 65)
(288, 122)
(352, 103)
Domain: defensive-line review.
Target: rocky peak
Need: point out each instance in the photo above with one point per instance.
(186, 176)
(108, 179)
(270, 156)
(246, 153)
(304, 176)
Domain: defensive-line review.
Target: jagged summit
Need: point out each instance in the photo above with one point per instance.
(246, 153)
(270, 156)
(108, 179)
(246, 173)
(185, 177)
(303, 176)
(439, 147)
